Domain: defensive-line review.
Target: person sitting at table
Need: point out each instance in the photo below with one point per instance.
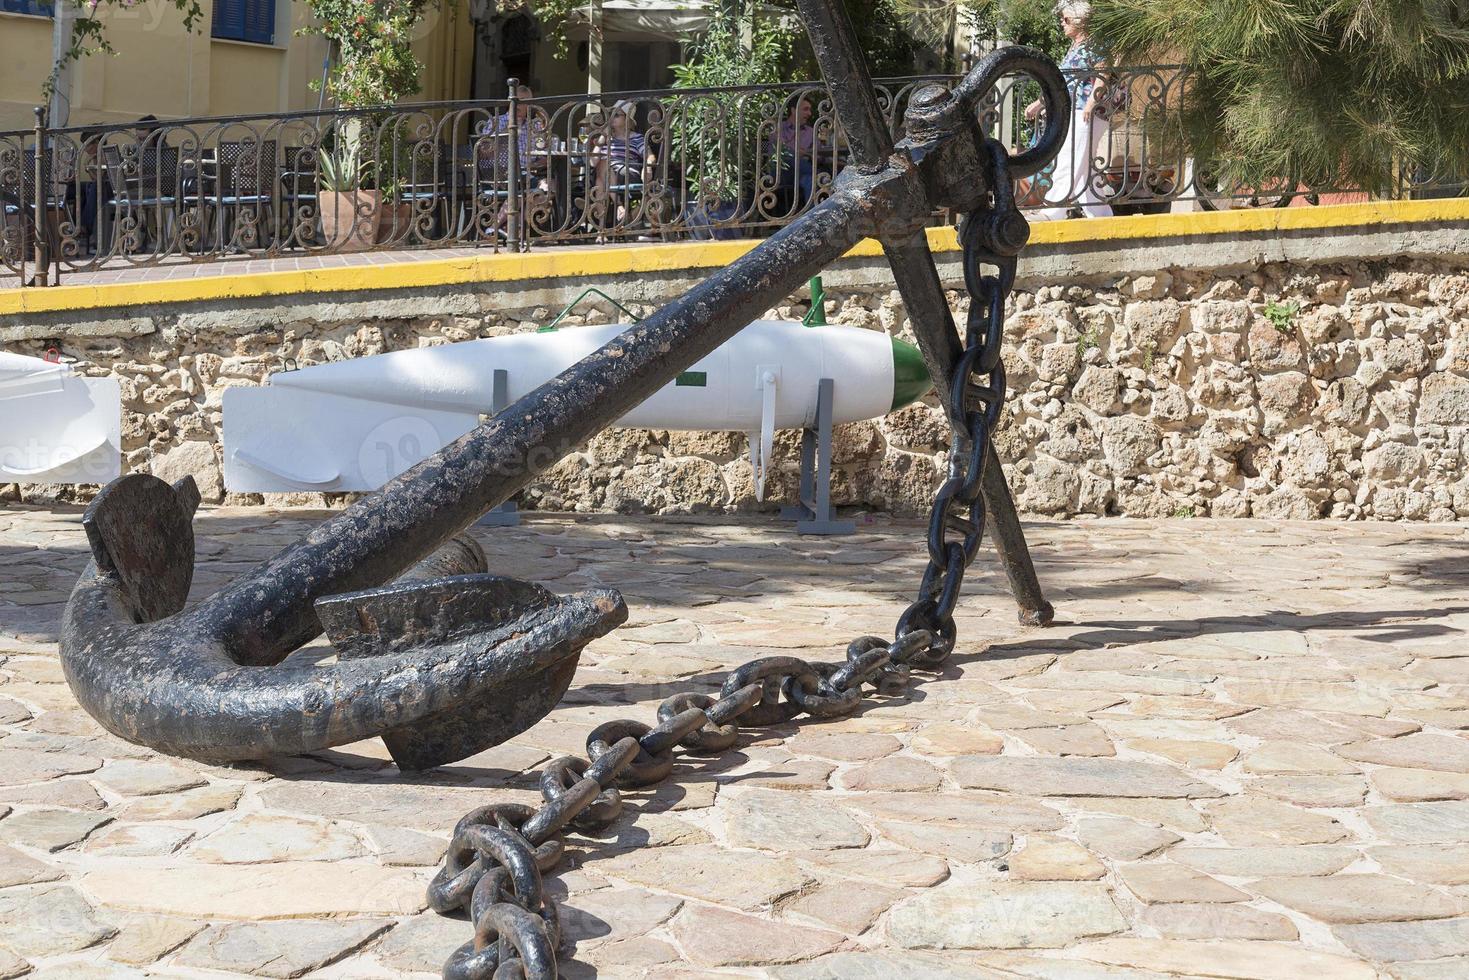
(532, 136)
(795, 150)
(493, 151)
(620, 159)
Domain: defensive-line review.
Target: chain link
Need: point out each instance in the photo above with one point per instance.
(494, 862)
(976, 399)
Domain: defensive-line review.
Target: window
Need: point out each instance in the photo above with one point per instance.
(242, 20)
(40, 8)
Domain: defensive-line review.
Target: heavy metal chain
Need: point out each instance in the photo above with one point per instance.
(494, 863)
(976, 399)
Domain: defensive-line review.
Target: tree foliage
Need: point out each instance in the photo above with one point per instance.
(1034, 23)
(1345, 92)
(720, 58)
(886, 29)
(718, 135)
(373, 62)
(1327, 92)
(1030, 22)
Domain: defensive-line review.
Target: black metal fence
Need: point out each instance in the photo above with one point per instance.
(660, 165)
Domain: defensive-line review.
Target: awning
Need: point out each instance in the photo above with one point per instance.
(662, 20)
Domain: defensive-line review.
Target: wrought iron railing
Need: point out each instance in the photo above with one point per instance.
(655, 165)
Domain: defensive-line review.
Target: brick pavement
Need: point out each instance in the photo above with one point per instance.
(1242, 753)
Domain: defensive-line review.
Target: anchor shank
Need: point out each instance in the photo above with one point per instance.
(928, 310)
(269, 613)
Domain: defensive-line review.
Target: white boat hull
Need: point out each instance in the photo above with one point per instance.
(354, 425)
(57, 427)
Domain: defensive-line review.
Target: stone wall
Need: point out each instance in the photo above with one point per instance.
(1293, 389)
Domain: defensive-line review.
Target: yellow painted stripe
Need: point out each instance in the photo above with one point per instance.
(1249, 221)
(585, 263)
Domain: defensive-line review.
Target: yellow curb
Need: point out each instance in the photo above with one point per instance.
(585, 263)
(1249, 221)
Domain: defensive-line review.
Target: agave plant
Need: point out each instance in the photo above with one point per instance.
(339, 170)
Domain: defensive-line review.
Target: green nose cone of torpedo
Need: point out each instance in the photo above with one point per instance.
(910, 375)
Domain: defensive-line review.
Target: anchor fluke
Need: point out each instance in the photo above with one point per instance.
(448, 612)
(141, 531)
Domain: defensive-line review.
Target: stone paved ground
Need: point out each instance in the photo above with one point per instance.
(1242, 754)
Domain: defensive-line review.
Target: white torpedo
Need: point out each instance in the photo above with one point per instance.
(354, 425)
(56, 426)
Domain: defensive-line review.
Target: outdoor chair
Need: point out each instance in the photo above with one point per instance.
(298, 190)
(18, 198)
(243, 193)
(660, 202)
(14, 225)
(143, 195)
(427, 188)
(786, 169)
(484, 211)
(1126, 175)
(625, 193)
(14, 228)
(786, 173)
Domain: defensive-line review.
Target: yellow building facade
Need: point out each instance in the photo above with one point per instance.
(163, 69)
(468, 49)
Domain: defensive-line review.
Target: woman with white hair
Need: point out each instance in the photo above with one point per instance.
(620, 156)
(1071, 178)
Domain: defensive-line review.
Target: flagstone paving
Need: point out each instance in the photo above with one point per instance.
(1243, 751)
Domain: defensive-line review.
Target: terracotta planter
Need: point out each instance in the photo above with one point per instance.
(392, 222)
(349, 219)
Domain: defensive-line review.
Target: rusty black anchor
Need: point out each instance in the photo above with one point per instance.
(445, 667)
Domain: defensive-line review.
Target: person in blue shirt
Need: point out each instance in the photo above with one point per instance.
(495, 153)
(492, 156)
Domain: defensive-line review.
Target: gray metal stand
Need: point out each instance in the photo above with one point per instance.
(814, 515)
(507, 514)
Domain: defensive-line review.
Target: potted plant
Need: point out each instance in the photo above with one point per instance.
(373, 66)
(387, 174)
(349, 212)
